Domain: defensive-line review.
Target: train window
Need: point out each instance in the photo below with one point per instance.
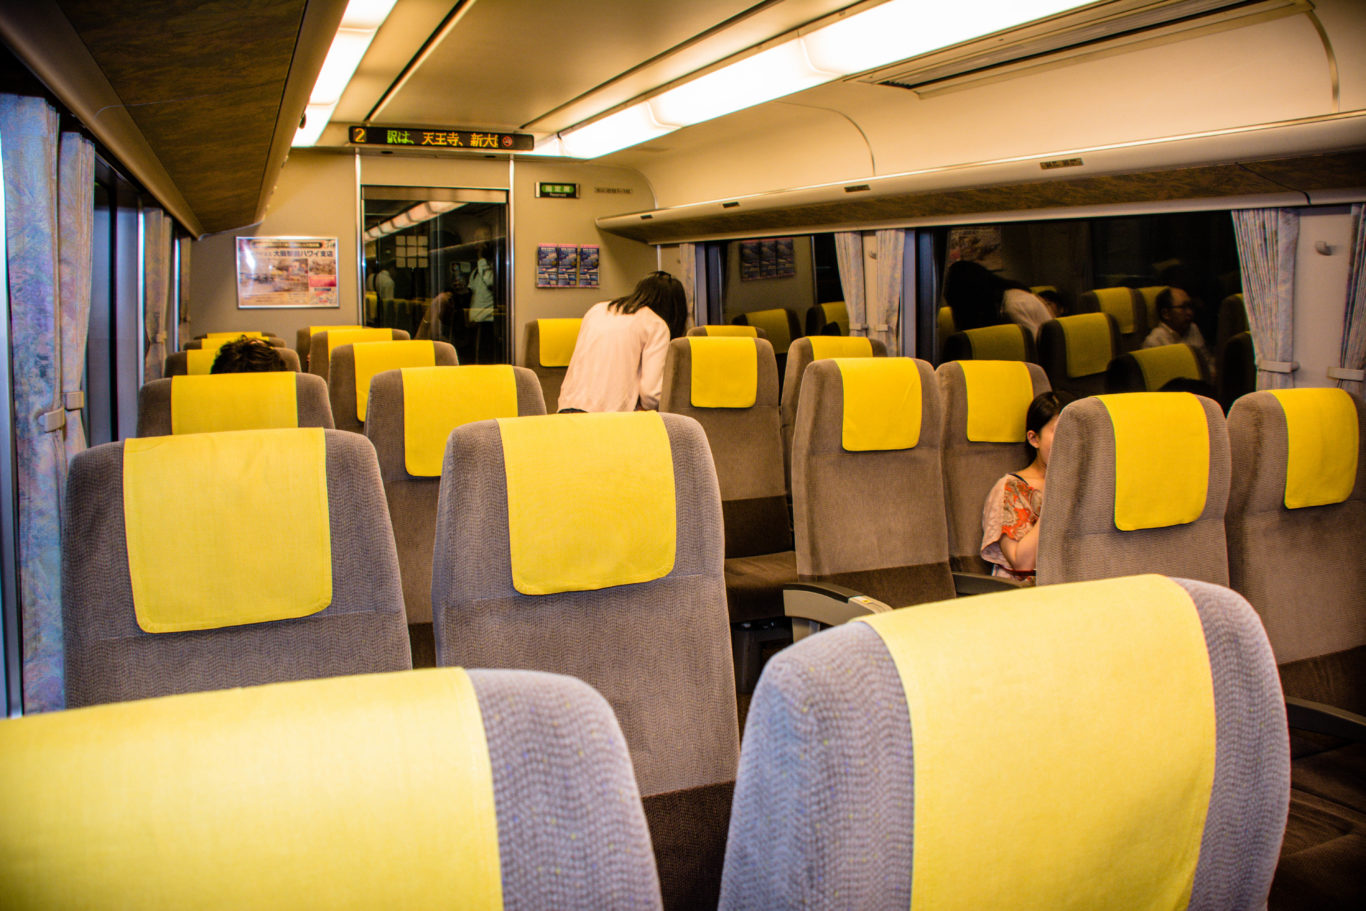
(436, 265)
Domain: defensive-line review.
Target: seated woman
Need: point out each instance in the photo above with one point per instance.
(1010, 517)
(618, 360)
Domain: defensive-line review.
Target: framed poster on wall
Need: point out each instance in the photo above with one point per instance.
(285, 272)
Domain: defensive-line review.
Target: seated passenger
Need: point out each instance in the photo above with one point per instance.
(979, 297)
(618, 360)
(1176, 326)
(1010, 516)
(247, 355)
(1052, 302)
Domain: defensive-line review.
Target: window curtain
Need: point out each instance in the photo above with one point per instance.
(1266, 253)
(156, 264)
(849, 255)
(28, 156)
(1350, 374)
(76, 222)
(687, 275)
(885, 319)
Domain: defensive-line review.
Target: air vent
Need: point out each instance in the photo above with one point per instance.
(646, 217)
(1061, 163)
(730, 205)
(857, 188)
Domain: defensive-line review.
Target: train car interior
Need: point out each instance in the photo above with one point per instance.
(312, 599)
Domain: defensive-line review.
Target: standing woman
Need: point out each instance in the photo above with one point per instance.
(618, 361)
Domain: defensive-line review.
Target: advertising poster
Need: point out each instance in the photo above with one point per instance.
(749, 260)
(282, 272)
(568, 266)
(773, 257)
(547, 265)
(588, 267)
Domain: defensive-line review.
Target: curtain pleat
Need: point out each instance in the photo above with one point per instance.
(1354, 318)
(28, 140)
(156, 284)
(849, 255)
(886, 320)
(1266, 254)
(76, 219)
(687, 275)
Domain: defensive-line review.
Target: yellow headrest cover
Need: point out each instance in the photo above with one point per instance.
(376, 357)
(882, 404)
(353, 335)
(1088, 343)
(997, 343)
(259, 798)
(1150, 294)
(775, 323)
(219, 564)
(229, 336)
(746, 331)
(1161, 458)
(837, 313)
(1119, 303)
(234, 401)
(828, 346)
(590, 500)
(199, 361)
(436, 400)
(1321, 465)
(314, 330)
(1165, 363)
(725, 372)
(558, 337)
(1048, 701)
(944, 322)
(998, 396)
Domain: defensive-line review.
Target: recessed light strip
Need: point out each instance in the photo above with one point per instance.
(358, 26)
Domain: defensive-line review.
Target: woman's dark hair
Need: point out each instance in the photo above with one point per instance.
(1045, 407)
(247, 355)
(974, 294)
(663, 294)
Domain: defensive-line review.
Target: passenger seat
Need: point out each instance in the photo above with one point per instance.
(199, 362)
(549, 348)
(232, 401)
(1006, 342)
(322, 344)
(1150, 369)
(1076, 350)
(353, 365)
(1128, 308)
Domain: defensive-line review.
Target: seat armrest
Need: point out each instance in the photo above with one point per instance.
(982, 584)
(812, 605)
(1318, 718)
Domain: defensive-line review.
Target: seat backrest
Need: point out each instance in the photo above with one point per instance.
(549, 346)
(438, 788)
(218, 341)
(1137, 482)
(867, 484)
(322, 344)
(1232, 320)
(183, 363)
(827, 319)
(303, 338)
(1149, 369)
(1149, 295)
(1006, 342)
(175, 579)
(354, 365)
(1128, 308)
(232, 401)
(800, 355)
(617, 579)
(411, 443)
(1075, 351)
(1237, 369)
(1133, 727)
(780, 324)
(728, 331)
(1297, 517)
(730, 387)
(984, 406)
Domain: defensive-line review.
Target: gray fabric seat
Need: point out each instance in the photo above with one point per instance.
(273, 341)
(1138, 371)
(341, 382)
(319, 357)
(1078, 538)
(1006, 342)
(109, 658)
(1053, 355)
(971, 468)
(829, 788)
(659, 651)
(1128, 308)
(154, 405)
(723, 331)
(550, 376)
(177, 362)
(799, 357)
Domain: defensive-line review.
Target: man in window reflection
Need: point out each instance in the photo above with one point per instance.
(1176, 325)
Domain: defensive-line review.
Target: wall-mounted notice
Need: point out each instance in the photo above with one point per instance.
(547, 265)
(286, 272)
(774, 257)
(567, 266)
(588, 266)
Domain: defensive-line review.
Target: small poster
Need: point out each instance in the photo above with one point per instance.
(568, 266)
(286, 272)
(773, 257)
(588, 266)
(547, 265)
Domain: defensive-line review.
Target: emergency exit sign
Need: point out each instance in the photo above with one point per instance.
(557, 190)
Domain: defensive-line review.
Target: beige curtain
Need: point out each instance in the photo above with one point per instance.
(885, 320)
(1266, 253)
(156, 286)
(849, 255)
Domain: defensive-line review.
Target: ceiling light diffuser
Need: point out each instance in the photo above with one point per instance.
(626, 127)
(769, 74)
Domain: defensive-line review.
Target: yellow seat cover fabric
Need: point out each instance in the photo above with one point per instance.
(1165, 363)
(997, 343)
(314, 330)
(746, 331)
(367, 791)
(944, 322)
(1088, 343)
(828, 346)
(882, 404)
(233, 401)
(998, 396)
(725, 372)
(376, 357)
(838, 314)
(218, 564)
(1015, 806)
(1161, 458)
(775, 323)
(1119, 303)
(199, 361)
(353, 335)
(232, 335)
(1321, 465)
(1149, 295)
(436, 400)
(558, 338)
(590, 500)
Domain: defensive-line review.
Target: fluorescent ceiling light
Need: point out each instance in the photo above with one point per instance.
(366, 14)
(626, 127)
(769, 74)
(358, 26)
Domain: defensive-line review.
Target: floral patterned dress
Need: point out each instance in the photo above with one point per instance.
(1011, 509)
